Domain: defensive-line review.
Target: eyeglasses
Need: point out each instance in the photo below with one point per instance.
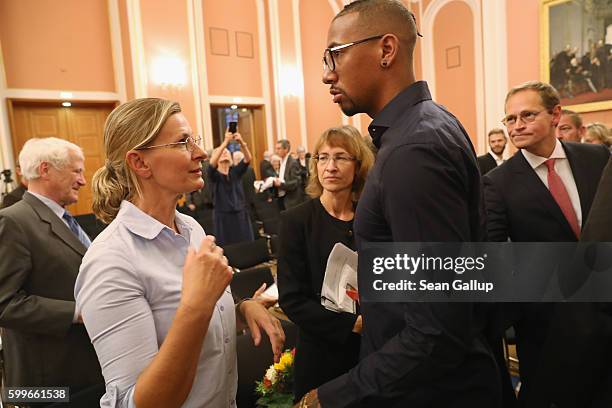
(328, 54)
(524, 116)
(190, 143)
(340, 160)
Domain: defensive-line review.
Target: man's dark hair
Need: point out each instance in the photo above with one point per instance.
(374, 14)
(549, 95)
(496, 131)
(574, 117)
(285, 144)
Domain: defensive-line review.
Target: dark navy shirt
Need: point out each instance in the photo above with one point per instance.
(424, 187)
(228, 193)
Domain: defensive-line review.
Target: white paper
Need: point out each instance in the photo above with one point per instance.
(263, 185)
(340, 275)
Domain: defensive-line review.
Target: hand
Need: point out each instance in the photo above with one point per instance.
(265, 301)
(310, 400)
(277, 182)
(191, 207)
(256, 317)
(228, 138)
(358, 327)
(206, 274)
(238, 138)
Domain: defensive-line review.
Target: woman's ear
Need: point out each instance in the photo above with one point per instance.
(135, 160)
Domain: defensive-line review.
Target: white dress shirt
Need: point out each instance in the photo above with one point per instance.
(129, 287)
(563, 169)
(281, 174)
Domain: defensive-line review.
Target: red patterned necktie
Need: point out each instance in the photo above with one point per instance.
(559, 193)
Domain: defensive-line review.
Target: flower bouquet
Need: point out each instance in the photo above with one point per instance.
(275, 390)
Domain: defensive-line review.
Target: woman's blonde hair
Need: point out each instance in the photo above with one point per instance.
(129, 126)
(348, 138)
(600, 132)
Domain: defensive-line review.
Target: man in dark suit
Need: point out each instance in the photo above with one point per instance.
(570, 127)
(424, 187)
(265, 166)
(16, 194)
(542, 194)
(43, 337)
(289, 184)
(497, 143)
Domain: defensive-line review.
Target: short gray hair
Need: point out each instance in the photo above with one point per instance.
(50, 150)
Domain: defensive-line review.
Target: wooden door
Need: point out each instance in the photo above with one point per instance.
(81, 124)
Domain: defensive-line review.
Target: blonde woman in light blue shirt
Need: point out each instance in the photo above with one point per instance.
(153, 289)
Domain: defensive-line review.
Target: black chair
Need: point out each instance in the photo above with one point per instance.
(254, 361)
(247, 254)
(271, 226)
(265, 209)
(246, 282)
(90, 224)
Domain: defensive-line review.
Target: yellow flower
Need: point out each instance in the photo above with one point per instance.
(286, 360)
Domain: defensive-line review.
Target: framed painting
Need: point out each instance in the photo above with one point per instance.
(576, 52)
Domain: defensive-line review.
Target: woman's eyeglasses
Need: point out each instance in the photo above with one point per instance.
(189, 144)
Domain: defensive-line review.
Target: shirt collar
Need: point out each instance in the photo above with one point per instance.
(142, 224)
(53, 206)
(412, 95)
(536, 161)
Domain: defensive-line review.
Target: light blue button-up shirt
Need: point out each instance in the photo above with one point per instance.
(128, 290)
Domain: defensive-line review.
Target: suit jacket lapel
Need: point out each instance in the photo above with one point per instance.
(57, 225)
(541, 194)
(584, 182)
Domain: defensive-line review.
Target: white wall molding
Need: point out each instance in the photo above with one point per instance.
(199, 83)
(264, 67)
(495, 51)
(117, 49)
(238, 100)
(281, 129)
(55, 95)
(334, 6)
(297, 35)
(139, 72)
(429, 65)
(6, 147)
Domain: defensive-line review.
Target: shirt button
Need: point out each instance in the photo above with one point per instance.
(221, 308)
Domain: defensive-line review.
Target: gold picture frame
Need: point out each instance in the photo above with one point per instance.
(572, 29)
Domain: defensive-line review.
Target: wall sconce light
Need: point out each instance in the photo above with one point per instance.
(168, 72)
(66, 104)
(290, 81)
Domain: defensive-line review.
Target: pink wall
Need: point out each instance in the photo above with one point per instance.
(231, 74)
(523, 41)
(165, 34)
(456, 85)
(126, 49)
(321, 112)
(51, 45)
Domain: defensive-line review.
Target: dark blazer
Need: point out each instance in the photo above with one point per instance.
(326, 347)
(292, 184)
(265, 169)
(486, 163)
(521, 208)
(39, 263)
(14, 196)
(598, 226)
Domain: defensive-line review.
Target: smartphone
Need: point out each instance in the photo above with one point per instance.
(233, 127)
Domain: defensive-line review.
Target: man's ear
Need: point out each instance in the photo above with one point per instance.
(390, 50)
(556, 114)
(43, 170)
(136, 161)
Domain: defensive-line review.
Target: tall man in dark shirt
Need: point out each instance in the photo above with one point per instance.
(425, 186)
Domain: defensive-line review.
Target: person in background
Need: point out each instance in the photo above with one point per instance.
(303, 160)
(570, 127)
(16, 194)
(230, 214)
(497, 144)
(248, 184)
(598, 133)
(44, 342)
(328, 342)
(275, 161)
(153, 289)
(289, 181)
(265, 167)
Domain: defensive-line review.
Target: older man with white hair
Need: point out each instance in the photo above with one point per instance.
(45, 343)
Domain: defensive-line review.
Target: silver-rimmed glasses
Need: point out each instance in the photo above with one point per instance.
(189, 144)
